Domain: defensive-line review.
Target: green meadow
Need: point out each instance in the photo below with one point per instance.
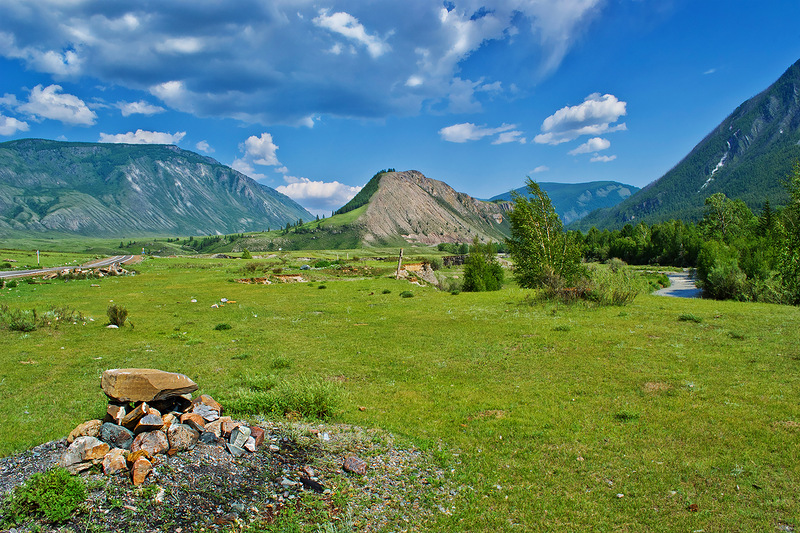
(663, 415)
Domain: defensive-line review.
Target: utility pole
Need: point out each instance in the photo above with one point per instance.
(399, 264)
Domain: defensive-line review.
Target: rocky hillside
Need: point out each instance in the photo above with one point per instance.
(422, 210)
(573, 201)
(746, 157)
(120, 190)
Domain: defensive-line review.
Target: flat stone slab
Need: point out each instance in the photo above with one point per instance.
(144, 384)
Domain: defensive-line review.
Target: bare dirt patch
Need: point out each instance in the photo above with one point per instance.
(656, 387)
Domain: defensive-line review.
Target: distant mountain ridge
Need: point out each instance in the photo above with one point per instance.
(573, 201)
(746, 157)
(118, 190)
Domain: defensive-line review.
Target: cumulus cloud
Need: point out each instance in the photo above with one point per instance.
(595, 144)
(266, 67)
(318, 197)
(348, 26)
(261, 150)
(203, 146)
(138, 108)
(467, 131)
(602, 158)
(247, 169)
(143, 137)
(10, 125)
(50, 103)
(593, 117)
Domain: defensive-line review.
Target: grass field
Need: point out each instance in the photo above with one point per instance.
(664, 415)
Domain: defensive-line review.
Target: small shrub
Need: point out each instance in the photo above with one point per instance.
(222, 326)
(689, 317)
(455, 292)
(117, 315)
(54, 493)
(12, 284)
(246, 254)
(386, 291)
(626, 416)
(738, 336)
(322, 263)
(615, 264)
(406, 294)
(435, 263)
(563, 327)
(280, 363)
(313, 398)
(322, 287)
(277, 270)
(5, 265)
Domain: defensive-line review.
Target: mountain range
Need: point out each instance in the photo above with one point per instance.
(747, 157)
(573, 201)
(119, 190)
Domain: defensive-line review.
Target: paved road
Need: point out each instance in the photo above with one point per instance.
(99, 263)
(681, 286)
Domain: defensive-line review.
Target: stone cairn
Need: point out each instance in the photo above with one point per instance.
(152, 412)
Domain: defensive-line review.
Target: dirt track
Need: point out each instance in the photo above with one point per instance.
(682, 285)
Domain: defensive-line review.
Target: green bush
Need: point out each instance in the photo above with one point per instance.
(117, 315)
(436, 263)
(406, 294)
(55, 494)
(322, 263)
(222, 326)
(620, 287)
(314, 398)
(689, 317)
(246, 254)
(386, 291)
(482, 272)
(18, 320)
(12, 284)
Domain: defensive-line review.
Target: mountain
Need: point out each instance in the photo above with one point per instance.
(747, 157)
(573, 201)
(397, 209)
(119, 190)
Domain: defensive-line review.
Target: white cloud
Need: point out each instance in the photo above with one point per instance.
(467, 131)
(50, 103)
(540, 168)
(595, 144)
(593, 117)
(261, 150)
(9, 100)
(514, 136)
(203, 146)
(348, 26)
(138, 108)
(710, 71)
(143, 137)
(266, 67)
(318, 196)
(10, 125)
(602, 158)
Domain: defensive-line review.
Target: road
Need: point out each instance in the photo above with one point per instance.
(681, 286)
(98, 263)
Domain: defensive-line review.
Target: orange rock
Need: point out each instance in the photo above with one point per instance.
(115, 414)
(87, 429)
(144, 384)
(131, 419)
(154, 442)
(114, 461)
(140, 470)
(209, 401)
(194, 420)
(132, 457)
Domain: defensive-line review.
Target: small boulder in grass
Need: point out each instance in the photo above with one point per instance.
(144, 384)
(355, 465)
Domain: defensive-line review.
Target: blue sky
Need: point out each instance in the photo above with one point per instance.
(313, 97)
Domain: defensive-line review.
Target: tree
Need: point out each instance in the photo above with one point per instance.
(482, 272)
(246, 254)
(789, 258)
(538, 244)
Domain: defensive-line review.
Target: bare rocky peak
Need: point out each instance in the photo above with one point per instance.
(429, 211)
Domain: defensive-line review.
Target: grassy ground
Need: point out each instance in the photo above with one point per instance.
(552, 417)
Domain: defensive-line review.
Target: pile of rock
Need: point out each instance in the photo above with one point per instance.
(85, 273)
(152, 412)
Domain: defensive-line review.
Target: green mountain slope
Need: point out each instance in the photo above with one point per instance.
(113, 190)
(573, 201)
(746, 157)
